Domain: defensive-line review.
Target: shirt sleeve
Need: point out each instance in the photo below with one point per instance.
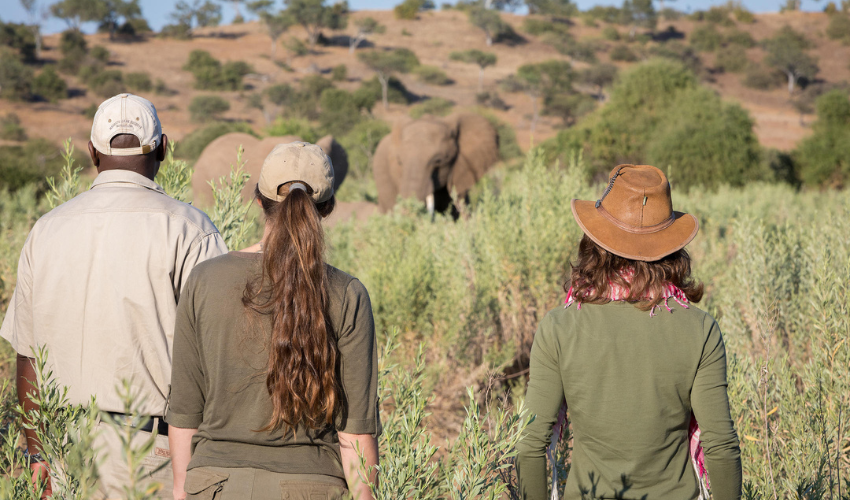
(544, 397)
(204, 248)
(359, 364)
(710, 404)
(187, 395)
(18, 327)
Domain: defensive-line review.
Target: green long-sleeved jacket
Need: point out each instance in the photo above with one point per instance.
(630, 382)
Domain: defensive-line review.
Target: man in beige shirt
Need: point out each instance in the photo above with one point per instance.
(98, 282)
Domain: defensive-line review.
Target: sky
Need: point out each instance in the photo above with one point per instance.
(157, 11)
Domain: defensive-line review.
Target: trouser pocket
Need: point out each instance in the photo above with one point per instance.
(202, 484)
(305, 490)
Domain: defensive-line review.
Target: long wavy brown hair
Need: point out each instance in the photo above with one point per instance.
(596, 267)
(301, 375)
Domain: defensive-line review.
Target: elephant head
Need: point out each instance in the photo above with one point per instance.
(430, 157)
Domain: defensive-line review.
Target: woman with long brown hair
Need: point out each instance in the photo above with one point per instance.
(637, 368)
(274, 385)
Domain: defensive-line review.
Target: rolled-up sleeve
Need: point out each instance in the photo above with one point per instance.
(544, 397)
(187, 397)
(359, 363)
(18, 327)
(710, 404)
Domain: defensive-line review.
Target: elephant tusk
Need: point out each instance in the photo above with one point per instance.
(429, 203)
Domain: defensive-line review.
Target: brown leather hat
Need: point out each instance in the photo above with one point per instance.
(635, 218)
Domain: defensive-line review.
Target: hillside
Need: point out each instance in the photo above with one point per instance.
(432, 37)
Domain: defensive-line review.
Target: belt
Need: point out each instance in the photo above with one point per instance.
(123, 418)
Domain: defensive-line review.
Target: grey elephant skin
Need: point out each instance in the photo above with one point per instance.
(429, 158)
(216, 160)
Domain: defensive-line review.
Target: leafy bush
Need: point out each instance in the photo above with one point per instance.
(29, 163)
(762, 78)
(622, 53)
(718, 15)
(681, 53)
(20, 38)
(296, 47)
(107, 83)
(48, 85)
(177, 31)
(408, 9)
(537, 27)
(432, 75)
(293, 126)
(204, 108)
(15, 77)
(210, 74)
(100, 54)
(11, 128)
(611, 33)
(396, 92)
(193, 144)
(824, 156)
(670, 14)
(706, 38)
(739, 37)
(339, 111)
(605, 13)
(138, 82)
(436, 106)
(339, 73)
(584, 51)
(732, 59)
(839, 28)
(743, 15)
(160, 88)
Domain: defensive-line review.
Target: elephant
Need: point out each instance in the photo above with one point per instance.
(430, 157)
(216, 159)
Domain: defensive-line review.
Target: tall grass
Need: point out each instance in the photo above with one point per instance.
(466, 295)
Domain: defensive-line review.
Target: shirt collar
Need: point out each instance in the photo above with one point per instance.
(126, 176)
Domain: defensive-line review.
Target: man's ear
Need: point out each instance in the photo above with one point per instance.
(93, 153)
(160, 151)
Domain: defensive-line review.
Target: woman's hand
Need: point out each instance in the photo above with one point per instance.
(41, 472)
(179, 494)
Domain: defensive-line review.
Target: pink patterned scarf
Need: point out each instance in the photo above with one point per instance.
(696, 453)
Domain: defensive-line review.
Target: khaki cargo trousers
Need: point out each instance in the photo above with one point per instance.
(220, 483)
(113, 471)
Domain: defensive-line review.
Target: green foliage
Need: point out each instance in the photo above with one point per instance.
(824, 156)
(385, 64)
(839, 28)
(719, 15)
(139, 81)
(732, 59)
(508, 145)
(623, 53)
(680, 53)
(339, 111)
(599, 76)
(15, 77)
(20, 38)
(638, 14)
(490, 22)
(197, 14)
(537, 27)
(706, 38)
(204, 108)
(175, 176)
(27, 163)
(739, 37)
(762, 78)
(339, 73)
(742, 15)
(610, 33)
(229, 212)
(605, 13)
(584, 51)
(360, 144)
(293, 126)
(107, 83)
(210, 74)
(436, 106)
(556, 9)
(69, 184)
(314, 16)
(432, 75)
(474, 56)
(191, 146)
(48, 85)
(568, 106)
(408, 9)
(786, 52)
(11, 128)
(296, 47)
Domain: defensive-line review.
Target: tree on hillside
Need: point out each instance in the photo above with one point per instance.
(475, 56)
(824, 156)
(489, 21)
(196, 14)
(599, 76)
(386, 63)
(786, 52)
(276, 24)
(314, 16)
(559, 9)
(112, 11)
(365, 27)
(76, 12)
(36, 15)
(638, 14)
(547, 79)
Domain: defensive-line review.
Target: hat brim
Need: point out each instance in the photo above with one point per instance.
(647, 247)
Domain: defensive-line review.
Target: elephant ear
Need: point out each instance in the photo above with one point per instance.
(338, 156)
(478, 151)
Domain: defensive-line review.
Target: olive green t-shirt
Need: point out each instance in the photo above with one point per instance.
(218, 384)
(631, 383)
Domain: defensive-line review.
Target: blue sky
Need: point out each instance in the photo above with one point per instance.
(157, 11)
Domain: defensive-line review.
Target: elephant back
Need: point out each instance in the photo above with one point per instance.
(478, 151)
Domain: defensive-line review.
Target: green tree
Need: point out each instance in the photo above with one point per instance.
(76, 12)
(35, 16)
(638, 14)
(15, 77)
(558, 9)
(545, 80)
(198, 14)
(786, 52)
(112, 11)
(204, 108)
(365, 27)
(599, 76)
(275, 24)
(478, 57)
(386, 63)
(49, 85)
(489, 21)
(315, 16)
(824, 156)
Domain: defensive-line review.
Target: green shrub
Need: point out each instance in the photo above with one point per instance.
(339, 73)
(296, 47)
(204, 108)
(72, 41)
(20, 38)
(739, 37)
(537, 27)
(48, 85)
(706, 38)
(681, 53)
(15, 77)
(622, 53)
(718, 15)
(100, 54)
(761, 77)
(568, 106)
(584, 51)
(732, 59)
(839, 27)
(491, 100)
(830, 9)
(743, 15)
(11, 128)
(160, 88)
(396, 92)
(432, 75)
(605, 13)
(29, 163)
(824, 156)
(610, 33)
(138, 82)
(191, 146)
(293, 126)
(107, 83)
(177, 31)
(670, 14)
(436, 106)
(89, 111)
(314, 85)
(210, 74)
(339, 111)
(360, 144)
(408, 9)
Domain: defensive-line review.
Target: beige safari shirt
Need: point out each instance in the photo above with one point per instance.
(98, 282)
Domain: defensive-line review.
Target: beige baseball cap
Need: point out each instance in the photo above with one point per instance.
(126, 114)
(297, 162)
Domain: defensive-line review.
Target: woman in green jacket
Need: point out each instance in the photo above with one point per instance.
(633, 361)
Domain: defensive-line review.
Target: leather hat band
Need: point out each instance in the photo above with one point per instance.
(634, 229)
